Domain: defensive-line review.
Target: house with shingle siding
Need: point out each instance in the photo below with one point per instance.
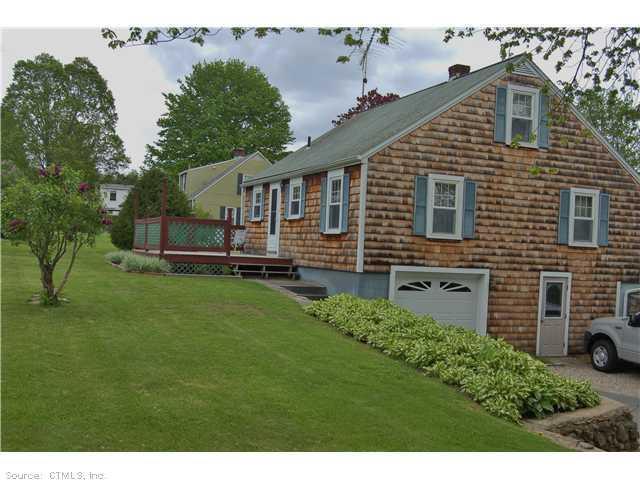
(432, 201)
(216, 188)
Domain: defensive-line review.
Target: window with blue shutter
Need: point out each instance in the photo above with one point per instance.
(543, 126)
(420, 206)
(469, 214)
(303, 193)
(563, 219)
(239, 183)
(323, 204)
(500, 133)
(603, 220)
(286, 201)
(344, 211)
(222, 213)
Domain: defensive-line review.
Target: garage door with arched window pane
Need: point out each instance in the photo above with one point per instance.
(449, 298)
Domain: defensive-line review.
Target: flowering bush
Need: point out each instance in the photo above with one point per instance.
(506, 382)
(55, 214)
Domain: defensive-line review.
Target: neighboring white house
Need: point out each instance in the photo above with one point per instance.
(114, 195)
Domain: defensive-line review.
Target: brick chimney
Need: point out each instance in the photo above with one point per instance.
(238, 152)
(458, 70)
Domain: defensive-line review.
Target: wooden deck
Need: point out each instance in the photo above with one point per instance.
(219, 258)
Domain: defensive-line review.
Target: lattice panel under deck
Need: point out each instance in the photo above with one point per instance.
(199, 269)
(196, 235)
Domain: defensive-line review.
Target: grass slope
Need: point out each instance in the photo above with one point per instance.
(137, 362)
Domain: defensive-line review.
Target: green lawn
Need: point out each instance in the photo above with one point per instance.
(138, 362)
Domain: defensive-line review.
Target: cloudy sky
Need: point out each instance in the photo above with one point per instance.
(301, 66)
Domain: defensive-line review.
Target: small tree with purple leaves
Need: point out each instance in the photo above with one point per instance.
(56, 214)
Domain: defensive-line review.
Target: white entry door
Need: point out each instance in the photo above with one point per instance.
(273, 225)
(553, 313)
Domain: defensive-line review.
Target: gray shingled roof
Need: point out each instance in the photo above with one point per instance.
(359, 135)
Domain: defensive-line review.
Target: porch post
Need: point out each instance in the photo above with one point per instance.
(164, 224)
(227, 233)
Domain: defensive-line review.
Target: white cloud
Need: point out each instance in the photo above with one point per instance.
(134, 76)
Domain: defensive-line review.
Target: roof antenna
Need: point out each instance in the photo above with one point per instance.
(309, 142)
(364, 73)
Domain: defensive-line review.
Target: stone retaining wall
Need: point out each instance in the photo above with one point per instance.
(609, 426)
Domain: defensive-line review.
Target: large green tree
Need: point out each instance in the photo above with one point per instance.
(617, 119)
(60, 114)
(220, 106)
(148, 188)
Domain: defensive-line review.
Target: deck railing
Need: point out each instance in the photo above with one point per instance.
(187, 234)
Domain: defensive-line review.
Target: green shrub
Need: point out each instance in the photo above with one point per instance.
(506, 382)
(116, 257)
(141, 263)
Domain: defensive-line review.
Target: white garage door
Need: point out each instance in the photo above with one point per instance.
(452, 299)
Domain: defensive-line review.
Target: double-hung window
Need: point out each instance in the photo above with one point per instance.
(334, 201)
(444, 214)
(522, 115)
(583, 217)
(183, 182)
(295, 198)
(113, 196)
(256, 204)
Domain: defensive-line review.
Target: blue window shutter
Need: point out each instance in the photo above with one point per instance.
(286, 201)
(250, 216)
(222, 213)
(345, 203)
(469, 214)
(303, 190)
(543, 127)
(563, 220)
(323, 204)
(238, 210)
(500, 133)
(603, 220)
(239, 182)
(420, 206)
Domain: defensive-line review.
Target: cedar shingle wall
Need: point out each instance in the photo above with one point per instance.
(301, 239)
(517, 215)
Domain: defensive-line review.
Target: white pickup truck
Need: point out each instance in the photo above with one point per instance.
(609, 340)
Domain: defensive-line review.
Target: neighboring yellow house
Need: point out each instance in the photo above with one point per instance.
(216, 188)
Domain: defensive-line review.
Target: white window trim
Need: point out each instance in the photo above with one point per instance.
(459, 181)
(254, 194)
(534, 111)
(333, 174)
(596, 203)
(295, 182)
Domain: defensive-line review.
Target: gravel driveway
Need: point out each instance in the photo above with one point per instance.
(623, 385)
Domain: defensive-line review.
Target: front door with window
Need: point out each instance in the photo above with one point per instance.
(273, 225)
(553, 315)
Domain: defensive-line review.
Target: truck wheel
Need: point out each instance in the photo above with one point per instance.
(603, 355)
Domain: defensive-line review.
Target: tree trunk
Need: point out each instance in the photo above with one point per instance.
(48, 290)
